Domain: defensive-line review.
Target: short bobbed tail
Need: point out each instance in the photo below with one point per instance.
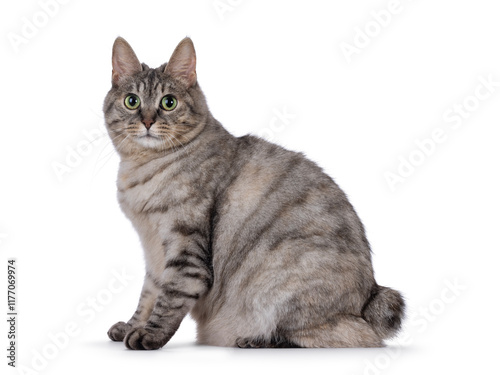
(384, 311)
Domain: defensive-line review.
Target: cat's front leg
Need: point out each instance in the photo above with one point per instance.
(171, 307)
(187, 277)
(149, 293)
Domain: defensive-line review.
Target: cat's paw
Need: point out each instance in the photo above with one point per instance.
(145, 338)
(118, 331)
(248, 343)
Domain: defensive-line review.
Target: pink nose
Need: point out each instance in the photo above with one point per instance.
(148, 122)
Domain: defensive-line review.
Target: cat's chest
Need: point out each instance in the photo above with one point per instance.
(141, 199)
(134, 200)
(161, 188)
(143, 189)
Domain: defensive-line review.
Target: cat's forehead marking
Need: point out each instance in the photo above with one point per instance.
(151, 83)
(151, 77)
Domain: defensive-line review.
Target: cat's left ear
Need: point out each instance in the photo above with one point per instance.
(182, 63)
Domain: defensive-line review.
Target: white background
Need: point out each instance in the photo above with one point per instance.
(434, 236)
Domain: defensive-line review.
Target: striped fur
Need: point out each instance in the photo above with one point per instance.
(260, 246)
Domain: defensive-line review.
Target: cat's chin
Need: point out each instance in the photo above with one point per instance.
(150, 141)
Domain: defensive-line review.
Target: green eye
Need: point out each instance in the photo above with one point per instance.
(168, 103)
(132, 101)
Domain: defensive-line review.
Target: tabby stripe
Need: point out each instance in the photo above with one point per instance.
(190, 254)
(154, 210)
(177, 307)
(198, 237)
(242, 251)
(161, 305)
(155, 281)
(108, 108)
(151, 79)
(188, 231)
(114, 122)
(185, 254)
(180, 263)
(197, 162)
(156, 85)
(137, 313)
(187, 199)
(152, 324)
(201, 244)
(139, 166)
(191, 108)
(180, 294)
(196, 275)
(157, 171)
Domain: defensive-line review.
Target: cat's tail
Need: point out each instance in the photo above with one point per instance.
(384, 311)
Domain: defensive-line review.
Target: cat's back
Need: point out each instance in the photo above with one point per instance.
(275, 194)
(274, 185)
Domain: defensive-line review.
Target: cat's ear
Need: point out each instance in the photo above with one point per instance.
(125, 62)
(182, 63)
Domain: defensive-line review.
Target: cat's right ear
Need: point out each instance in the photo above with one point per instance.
(125, 62)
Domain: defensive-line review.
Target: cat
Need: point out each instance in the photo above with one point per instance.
(256, 242)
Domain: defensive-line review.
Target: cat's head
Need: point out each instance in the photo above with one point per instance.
(154, 110)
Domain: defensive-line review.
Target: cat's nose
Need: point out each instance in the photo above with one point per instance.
(148, 122)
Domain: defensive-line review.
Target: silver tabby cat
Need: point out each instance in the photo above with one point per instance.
(260, 246)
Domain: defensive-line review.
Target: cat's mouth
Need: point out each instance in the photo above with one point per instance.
(148, 135)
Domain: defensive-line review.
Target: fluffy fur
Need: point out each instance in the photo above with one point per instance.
(260, 246)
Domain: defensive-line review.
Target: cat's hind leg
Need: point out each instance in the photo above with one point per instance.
(345, 331)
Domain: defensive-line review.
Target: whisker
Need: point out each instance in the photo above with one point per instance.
(177, 139)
